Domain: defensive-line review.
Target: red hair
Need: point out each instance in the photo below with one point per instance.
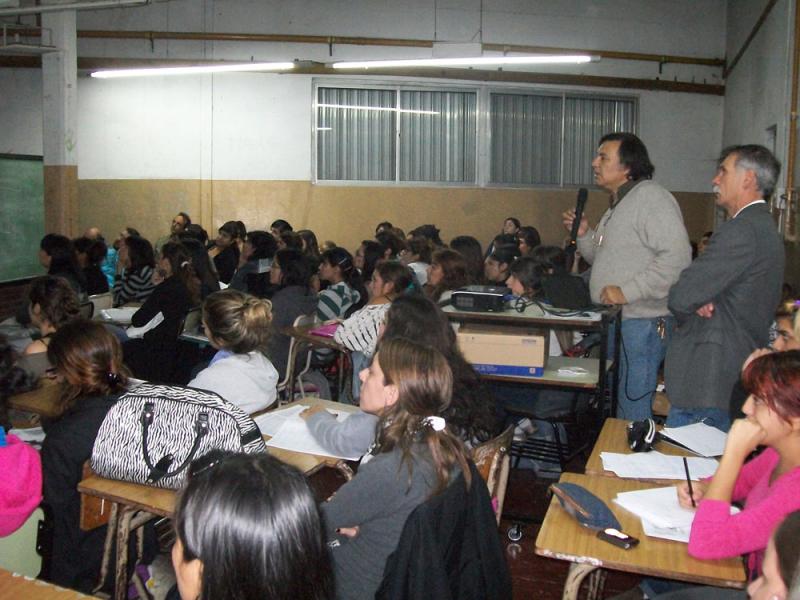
(775, 380)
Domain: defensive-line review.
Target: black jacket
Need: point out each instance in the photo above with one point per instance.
(449, 550)
(68, 444)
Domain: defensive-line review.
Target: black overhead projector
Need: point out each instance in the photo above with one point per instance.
(480, 298)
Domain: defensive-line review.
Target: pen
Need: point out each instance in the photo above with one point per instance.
(689, 481)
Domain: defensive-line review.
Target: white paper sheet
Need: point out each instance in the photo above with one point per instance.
(269, 423)
(295, 435)
(676, 534)
(138, 332)
(658, 505)
(118, 315)
(699, 438)
(655, 465)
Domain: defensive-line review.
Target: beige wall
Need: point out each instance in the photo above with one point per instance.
(345, 215)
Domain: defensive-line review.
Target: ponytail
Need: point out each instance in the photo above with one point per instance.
(239, 322)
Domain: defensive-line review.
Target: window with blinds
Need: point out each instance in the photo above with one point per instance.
(396, 135)
(403, 134)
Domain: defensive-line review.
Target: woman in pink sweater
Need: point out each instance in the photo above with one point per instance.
(768, 486)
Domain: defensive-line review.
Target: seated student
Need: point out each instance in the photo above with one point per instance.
(278, 227)
(57, 255)
(53, 304)
(290, 273)
(495, 269)
(88, 358)
(501, 239)
(310, 246)
(90, 255)
(768, 485)
(254, 263)
(367, 257)
(152, 357)
(345, 289)
(407, 386)
(391, 244)
(781, 563)
(787, 322)
(429, 233)
(250, 522)
(417, 257)
(202, 265)
(528, 239)
(470, 248)
(359, 333)
(135, 266)
(225, 251)
(471, 414)
(237, 325)
(448, 272)
(12, 379)
(383, 226)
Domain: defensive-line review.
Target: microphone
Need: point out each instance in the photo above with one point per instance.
(572, 245)
(583, 193)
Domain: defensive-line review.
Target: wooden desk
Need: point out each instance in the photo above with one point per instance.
(131, 505)
(14, 585)
(613, 438)
(563, 538)
(42, 401)
(551, 376)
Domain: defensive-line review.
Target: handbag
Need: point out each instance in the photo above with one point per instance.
(153, 433)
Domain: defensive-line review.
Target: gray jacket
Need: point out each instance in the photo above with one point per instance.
(741, 272)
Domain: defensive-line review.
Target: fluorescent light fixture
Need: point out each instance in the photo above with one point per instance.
(381, 108)
(478, 61)
(201, 69)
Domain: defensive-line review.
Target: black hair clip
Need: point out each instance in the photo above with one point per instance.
(113, 378)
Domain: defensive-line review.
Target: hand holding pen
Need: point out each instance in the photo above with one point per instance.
(685, 497)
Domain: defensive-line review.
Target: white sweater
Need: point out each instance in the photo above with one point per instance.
(247, 380)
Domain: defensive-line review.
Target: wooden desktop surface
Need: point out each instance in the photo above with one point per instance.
(563, 538)
(162, 501)
(613, 438)
(14, 585)
(42, 401)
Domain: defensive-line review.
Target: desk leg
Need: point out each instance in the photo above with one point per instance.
(108, 546)
(123, 535)
(577, 573)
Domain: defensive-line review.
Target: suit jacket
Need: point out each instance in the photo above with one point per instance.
(741, 272)
(449, 549)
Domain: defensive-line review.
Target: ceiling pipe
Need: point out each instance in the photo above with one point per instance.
(43, 8)
(402, 43)
(791, 153)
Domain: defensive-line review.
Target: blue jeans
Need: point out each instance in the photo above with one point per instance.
(643, 350)
(715, 417)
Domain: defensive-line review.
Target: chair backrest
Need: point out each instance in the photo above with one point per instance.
(295, 347)
(102, 301)
(493, 462)
(86, 310)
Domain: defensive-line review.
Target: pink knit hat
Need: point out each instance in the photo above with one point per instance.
(20, 484)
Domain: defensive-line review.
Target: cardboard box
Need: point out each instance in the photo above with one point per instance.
(504, 350)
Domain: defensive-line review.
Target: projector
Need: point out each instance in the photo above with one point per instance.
(480, 298)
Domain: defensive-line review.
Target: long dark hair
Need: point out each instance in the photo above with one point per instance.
(295, 267)
(180, 261)
(253, 522)
(530, 273)
(454, 273)
(58, 302)
(140, 252)
(341, 258)
(470, 248)
(425, 386)
(89, 358)
(372, 254)
(471, 414)
(12, 379)
(63, 259)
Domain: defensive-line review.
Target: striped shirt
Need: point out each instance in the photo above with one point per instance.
(133, 286)
(335, 300)
(359, 333)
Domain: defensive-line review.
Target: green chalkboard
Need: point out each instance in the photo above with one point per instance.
(21, 215)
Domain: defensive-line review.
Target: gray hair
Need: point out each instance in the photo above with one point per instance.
(752, 157)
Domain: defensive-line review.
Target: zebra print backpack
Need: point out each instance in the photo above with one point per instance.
(153, 433)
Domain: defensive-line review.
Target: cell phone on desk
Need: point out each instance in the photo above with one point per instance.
(617, 538)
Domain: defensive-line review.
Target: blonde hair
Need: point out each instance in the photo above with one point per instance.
(239, 322)
(425, 387)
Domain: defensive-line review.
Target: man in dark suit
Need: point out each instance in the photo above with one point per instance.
(725, 300)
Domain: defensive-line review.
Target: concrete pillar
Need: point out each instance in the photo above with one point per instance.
(60, 106)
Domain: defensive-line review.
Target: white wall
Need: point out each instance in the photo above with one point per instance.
(258, 126)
